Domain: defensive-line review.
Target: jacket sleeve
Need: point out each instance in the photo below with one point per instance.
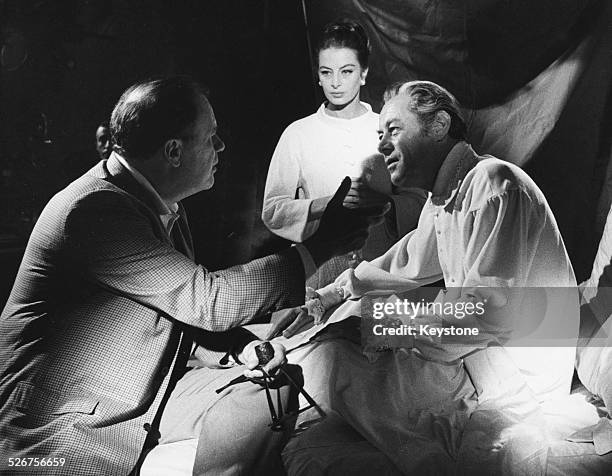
(113, 243)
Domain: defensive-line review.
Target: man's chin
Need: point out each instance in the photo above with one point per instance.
(400, 182)
(208, 184)
(396, 179)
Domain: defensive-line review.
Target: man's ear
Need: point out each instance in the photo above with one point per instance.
(440, 126)
(364, 75)
(173, 150)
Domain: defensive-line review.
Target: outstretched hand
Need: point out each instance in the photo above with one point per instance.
(290, 323)
(342, 229)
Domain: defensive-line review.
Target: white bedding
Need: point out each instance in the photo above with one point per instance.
(381, 420)
(403, 414)
(336, 448)
(171, 459)
(415, 416)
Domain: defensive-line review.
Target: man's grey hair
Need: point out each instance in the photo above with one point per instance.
(427, 99)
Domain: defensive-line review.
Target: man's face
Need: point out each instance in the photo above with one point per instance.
(405, 145)
(103, 142)
(200, 150)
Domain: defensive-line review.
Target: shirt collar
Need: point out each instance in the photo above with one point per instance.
(162, 207)
(168, 213)
(459, 161)
(340, 121)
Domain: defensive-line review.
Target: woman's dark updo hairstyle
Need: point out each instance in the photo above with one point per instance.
(346, 34)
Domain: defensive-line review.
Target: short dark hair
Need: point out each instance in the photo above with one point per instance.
(153, 111)
(345, 34)
(426, 99)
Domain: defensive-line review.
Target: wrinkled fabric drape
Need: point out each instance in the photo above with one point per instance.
(534, 77)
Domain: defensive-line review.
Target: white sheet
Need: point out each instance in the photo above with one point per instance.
(403, 414)
(171, 459)
(415, 416)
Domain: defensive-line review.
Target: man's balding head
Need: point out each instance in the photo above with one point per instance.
(167, 129)
(151, 112)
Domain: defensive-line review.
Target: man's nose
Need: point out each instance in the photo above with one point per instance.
(384, 146)
(218, 144)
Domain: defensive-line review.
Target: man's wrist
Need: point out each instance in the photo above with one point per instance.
(234, 354)
(241, 355)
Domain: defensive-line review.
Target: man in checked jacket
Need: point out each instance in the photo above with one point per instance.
(108, 300)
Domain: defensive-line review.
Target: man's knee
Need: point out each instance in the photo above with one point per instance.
(239, 434)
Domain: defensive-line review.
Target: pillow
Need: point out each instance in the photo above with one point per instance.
(594, 354)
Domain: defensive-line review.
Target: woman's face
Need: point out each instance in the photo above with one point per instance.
(340, 75)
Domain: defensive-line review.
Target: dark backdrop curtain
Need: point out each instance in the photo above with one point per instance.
(534, 78)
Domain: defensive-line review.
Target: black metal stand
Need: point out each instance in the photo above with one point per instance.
(265, 353)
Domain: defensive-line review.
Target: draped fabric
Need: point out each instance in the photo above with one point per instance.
(534, 78)
(481, 50)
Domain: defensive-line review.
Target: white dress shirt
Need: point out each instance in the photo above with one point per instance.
(488, 231)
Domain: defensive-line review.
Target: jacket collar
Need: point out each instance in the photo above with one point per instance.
(161, 207)
(117, 174)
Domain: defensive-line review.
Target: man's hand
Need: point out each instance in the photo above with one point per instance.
(361, 196)
(341, 229)
(249, 357)
(291, 322)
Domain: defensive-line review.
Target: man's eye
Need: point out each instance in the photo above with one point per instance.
(394, 130)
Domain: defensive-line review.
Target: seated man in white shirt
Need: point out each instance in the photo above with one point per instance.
(487, 230)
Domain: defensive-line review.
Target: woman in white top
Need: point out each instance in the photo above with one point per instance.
(315, 153)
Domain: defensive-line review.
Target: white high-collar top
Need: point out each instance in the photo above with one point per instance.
(312, 157)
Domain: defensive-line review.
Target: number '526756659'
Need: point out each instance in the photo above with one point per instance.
(36, 461)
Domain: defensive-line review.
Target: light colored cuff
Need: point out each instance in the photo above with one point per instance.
(315, 309)
(331, 295)
(309, 265)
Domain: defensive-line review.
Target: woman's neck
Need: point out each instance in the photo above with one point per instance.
(349, 110)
